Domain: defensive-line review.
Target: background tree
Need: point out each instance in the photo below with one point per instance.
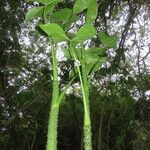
(119, 94)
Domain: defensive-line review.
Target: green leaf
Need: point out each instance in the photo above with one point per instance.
(62, 16)
(50, 6)
(42, 11)
(91, 55)
(84, 33)
(92, 12)
(93, 67)
(55, 32)
(34, 12)
(46, 2)
(69, 54)
(91, 58)
(107, 40)
(70, 21)
(80, 5)
(40, 1)
(97, 51)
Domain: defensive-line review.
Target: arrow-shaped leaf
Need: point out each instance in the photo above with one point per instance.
(50, 5)
(34, 12)
(92, 12)
(107, 40)
(46, 2)
(84, 33)
(55, 32)
(93, 67)
(62, 16)
(98, 51)
(80, 5)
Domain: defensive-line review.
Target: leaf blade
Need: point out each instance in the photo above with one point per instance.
(107, 40)
(92, 12)
(80, 5)
(34, 12)
(84, 33)
(46, 2)
(54, 31)
(93, 67)
(62, 15)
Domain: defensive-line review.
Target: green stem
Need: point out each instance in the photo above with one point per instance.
(55, 76)
(56, 100)
(87, 120)
(85, 92)
(53, 119)
(62, 94)
(87, 137)
(52, 129)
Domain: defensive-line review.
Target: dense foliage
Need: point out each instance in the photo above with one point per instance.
(119, 89)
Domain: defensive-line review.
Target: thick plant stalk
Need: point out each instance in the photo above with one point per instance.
(52, 129)
(53, 119)
(56, 100)
(87, 137)
(87, 120)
